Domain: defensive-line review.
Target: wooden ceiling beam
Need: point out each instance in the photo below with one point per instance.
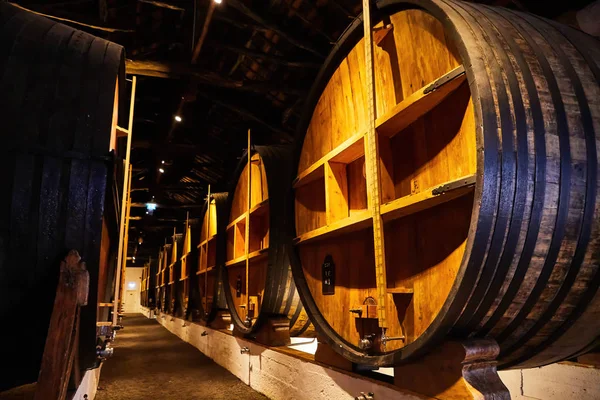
(268, 57)
(177, 71)
(287, 136)
(342, 8)
(74, 22)
(159, 206)
(241, 7)
(174, 187)
(162, 4)
(239, 24)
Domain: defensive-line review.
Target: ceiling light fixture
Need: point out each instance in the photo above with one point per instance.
(218, 1)
(177, 118)
(162, 171)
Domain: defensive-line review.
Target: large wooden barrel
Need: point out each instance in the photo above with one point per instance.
(184, 266)
(208, 294)
(172, 273)
(488, 124)
(158, 280)
(58, 106)
(164, 277)
(271, 288)
(151, 284)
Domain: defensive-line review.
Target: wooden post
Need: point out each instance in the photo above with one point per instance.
(372, 168)
(207, 247)
(247, 231)
(61, 344)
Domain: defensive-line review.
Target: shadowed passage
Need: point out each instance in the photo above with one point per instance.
(150, 362)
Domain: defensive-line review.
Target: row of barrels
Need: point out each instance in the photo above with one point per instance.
(488, 130)
(231, 264)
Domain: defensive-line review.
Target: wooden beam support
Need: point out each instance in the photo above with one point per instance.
(200, 42)
(71, 21)
(239, 24)
(248, 115)
(241, 7)
(182, 206)
(264, 56)
(163, 5)
(176, 71)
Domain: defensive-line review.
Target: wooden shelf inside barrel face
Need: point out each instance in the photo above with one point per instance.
(427, 165)
(257, 215)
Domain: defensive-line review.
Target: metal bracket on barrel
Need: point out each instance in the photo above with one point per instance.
(445, 79)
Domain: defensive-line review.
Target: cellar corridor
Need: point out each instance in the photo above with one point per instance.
(151, 363)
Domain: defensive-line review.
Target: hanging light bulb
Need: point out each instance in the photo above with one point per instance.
(177, 118)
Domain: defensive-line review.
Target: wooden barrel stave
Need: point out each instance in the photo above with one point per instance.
(534, 195)
(559, 295)
(583, 323)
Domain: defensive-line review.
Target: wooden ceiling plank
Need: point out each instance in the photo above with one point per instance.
(241, 7)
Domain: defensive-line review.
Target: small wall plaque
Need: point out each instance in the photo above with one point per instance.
(328, 269)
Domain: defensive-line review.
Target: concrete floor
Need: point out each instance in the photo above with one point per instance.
(151, 363)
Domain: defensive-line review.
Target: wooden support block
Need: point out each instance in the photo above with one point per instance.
(326, 355)
(380, 33)
(592, 358)
(60, 351)
(274, 332)
(221, 321)
(455, 370)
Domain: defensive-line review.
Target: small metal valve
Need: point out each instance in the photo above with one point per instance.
(104, 353)
(367, 396)
(366, 343)
(204, 333)
(244, 350)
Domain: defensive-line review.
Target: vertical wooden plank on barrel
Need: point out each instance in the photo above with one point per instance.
(372, 165)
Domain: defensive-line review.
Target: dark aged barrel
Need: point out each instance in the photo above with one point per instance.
(272, 291)
(58, 106)
(148, 286)
(208, 295)
(489, 186)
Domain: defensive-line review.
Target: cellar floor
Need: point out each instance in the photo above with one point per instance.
(151, 363)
